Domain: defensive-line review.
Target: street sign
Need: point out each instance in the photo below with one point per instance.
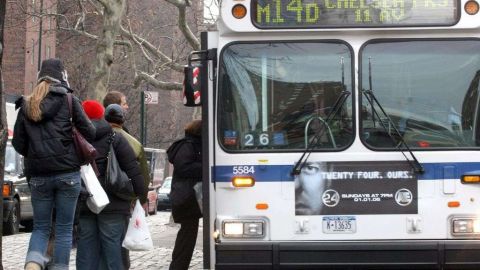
(151, 97)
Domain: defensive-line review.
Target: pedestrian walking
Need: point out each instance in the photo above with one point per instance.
(43, 135)
(115, 115)
(185, 155)
(116, 97)
(101, 235)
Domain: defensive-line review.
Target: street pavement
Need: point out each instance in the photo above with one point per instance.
(163, 233)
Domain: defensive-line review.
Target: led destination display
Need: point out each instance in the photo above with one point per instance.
(353, 13)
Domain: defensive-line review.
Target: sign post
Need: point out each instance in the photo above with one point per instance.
(142, 117)
(146, 97)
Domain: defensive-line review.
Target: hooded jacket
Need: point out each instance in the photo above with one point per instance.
(127, 161)
(47, 145)
(185, 155)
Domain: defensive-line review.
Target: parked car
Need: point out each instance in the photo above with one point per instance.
(17, 205)
(152, 200)
(164, 194)
(156, 159)
(11, 209)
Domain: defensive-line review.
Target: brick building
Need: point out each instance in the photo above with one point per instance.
(25, 45)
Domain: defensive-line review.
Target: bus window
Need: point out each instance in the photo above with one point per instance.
(274, 90)
(426, 88)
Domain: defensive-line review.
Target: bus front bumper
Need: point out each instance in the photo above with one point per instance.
(395, 254)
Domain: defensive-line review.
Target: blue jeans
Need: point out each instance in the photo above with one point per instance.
(100, 241)
(60, 191)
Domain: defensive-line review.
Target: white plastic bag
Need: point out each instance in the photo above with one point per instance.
(199, 195)
(98, 199)
(138, 236)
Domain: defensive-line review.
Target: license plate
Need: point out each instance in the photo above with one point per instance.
(339, 224)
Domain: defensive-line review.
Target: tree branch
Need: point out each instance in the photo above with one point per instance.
(151, 49)
(143, 76)
(182, 23)
(145, 54)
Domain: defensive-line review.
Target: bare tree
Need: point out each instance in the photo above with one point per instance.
(129, 45)
(112, 15)
(120, 29)
(3, 121)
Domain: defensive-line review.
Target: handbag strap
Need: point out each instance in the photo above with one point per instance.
(110, 143)
(112, 137)
(95, 168)
(69, 101)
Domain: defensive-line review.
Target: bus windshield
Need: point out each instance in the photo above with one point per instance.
(428, 88)
(278, 95)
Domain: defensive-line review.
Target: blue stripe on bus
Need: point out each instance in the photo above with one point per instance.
(281, 173)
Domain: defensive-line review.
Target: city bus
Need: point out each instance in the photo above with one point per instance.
(340, 134)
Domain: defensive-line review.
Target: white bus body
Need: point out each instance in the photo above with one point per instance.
(375, 207)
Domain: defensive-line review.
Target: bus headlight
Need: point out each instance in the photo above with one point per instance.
(243, 228)
(464, 226)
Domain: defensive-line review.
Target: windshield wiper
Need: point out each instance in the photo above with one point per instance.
(415, 164)
(309, 147)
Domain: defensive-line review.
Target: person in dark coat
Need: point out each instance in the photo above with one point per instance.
(43, 135)
(101, 235)
(185, 155)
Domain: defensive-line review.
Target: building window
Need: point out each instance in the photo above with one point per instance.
(48, 52)
(32, 56)
(31, 87)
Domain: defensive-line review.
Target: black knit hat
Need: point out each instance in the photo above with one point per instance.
(114, 114)
(53, 70)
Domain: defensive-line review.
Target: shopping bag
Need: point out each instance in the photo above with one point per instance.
(138, 236)
(98, 198)
(199, 195)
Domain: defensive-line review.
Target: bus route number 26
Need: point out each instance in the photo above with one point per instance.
(239, 170)
(252, 140)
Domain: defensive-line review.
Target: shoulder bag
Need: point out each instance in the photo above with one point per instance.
(117, 181)
(85, 151)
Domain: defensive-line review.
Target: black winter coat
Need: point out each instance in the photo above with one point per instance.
(185, 155)
(47, 145)
(127, 161)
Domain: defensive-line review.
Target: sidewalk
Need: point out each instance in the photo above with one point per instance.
(163, 234)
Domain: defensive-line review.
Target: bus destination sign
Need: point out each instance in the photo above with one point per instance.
(267, 14)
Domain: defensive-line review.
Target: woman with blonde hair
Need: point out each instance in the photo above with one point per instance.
(43, 135)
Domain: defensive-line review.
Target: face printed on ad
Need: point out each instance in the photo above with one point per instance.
(309, 187)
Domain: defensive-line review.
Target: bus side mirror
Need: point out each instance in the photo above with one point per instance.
(192, 85)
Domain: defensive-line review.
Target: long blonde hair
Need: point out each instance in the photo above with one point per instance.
(34, 99)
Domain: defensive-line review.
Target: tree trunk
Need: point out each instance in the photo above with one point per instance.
(113, 12)
(3, 123)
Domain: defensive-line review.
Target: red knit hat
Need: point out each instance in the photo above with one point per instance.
(93, 109)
